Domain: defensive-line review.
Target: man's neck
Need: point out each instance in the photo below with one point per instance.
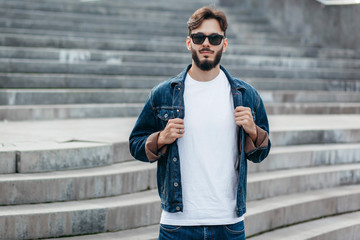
(203, 76)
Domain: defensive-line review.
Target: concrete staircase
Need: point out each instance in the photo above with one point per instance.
(83, 70)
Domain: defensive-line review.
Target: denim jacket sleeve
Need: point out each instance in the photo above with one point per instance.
(261, 148)
(145, 126)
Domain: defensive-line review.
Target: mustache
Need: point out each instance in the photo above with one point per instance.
(206, 50)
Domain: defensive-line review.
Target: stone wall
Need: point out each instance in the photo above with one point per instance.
(315, 23)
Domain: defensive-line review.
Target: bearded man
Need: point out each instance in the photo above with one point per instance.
(201, 127)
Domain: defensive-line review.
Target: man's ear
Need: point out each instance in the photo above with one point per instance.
(188, 43)
(225, 44)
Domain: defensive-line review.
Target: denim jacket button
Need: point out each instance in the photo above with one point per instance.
(166, 115)
(176, 184)
(174, 159)
(178, 208)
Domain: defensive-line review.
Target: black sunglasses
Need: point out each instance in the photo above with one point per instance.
(214, 39)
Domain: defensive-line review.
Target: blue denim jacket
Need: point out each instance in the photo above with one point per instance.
(166, 102)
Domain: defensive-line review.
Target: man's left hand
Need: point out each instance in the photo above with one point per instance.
(244, 118)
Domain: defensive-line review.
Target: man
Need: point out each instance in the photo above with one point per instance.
(201, 127)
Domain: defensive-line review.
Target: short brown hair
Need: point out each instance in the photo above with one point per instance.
(207, 13)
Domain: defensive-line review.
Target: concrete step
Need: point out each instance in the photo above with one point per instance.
(154, 69)
(309, 96)
(91, 18)
(248, 23)
(124, 27)
(343, 226)
(55, 156)
(166, 6)
(285, 130)
(167, 10)
(75, 185)
(79, 217)
(18, 156)
(62, 145)
(306, 156)
(62, 153)
(86, 8)
(133, 176)
(303, 84)
(26, 146)
(264, 215)
(142, 233)
(75, 111)
(158, 35)
(271, 213)
(312, 108)
(126, 45)
(83, 29)
(18, 15)
(313, 129)
(71, 96)
(80, 111)
(101, 96)
(51, 80)
(265, 185)
(83, 55)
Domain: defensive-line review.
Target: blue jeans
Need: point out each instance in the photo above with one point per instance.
(220, 232)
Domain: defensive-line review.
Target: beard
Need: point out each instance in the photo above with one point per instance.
(206, 65)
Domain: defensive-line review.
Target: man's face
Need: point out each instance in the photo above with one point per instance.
(206, 56)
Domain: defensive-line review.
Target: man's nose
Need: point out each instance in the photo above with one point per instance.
(206, 42)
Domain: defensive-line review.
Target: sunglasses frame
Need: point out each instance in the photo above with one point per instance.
(209, 37)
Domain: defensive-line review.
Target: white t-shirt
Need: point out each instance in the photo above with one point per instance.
(208, 156)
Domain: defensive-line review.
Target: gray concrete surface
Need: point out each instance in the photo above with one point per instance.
(304, 156)
(118, 129)
(264, 215)
(79, 217)
(76, 185)
(313, 22)
(344, 226)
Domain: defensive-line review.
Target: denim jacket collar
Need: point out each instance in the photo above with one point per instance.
(180, 79)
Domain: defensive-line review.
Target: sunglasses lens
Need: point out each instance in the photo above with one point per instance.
(215, 39)
(198, 38)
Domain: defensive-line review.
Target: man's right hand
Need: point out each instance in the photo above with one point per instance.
(174, 129)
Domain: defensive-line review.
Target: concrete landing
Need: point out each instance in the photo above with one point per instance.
(36, 134)
(110, 130)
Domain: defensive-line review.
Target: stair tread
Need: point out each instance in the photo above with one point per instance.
(234, 48)
(143, 233)
(119, 168)
(133, 166)
(31, 53)
(118, 129)
(288, 173)
(315, 228)
(254, 207)
(299, 231)
(313, 122)
(83, 205)
(259, 206)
